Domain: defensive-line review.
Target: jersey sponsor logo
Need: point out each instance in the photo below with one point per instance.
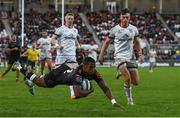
(130, 30)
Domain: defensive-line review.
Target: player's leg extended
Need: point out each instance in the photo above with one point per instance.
(135, 81)
(127, 85)
(132, 68)
(118, 74)
(39, 81)
(134, 76)
(29, 75)
(125, 72)
(42, 66)
(154, 65)
(150, 67)
(7, 70)
(17, 76)
(49, 63)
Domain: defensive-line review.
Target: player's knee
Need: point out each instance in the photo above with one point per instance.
(135, 83)
(39, 82)
(128, 79)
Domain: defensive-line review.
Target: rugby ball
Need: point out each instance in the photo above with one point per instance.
(86, 84)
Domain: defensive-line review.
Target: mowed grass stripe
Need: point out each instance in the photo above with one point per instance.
(156, 95)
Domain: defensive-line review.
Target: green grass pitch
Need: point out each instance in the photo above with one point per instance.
(158, 94)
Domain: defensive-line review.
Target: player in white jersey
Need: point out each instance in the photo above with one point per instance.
(152, 59)
(124, 36)
(44, 44)
(67, 44)
(93, 50)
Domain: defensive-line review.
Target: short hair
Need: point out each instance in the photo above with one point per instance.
(88, 60)
(124, 11)
(69, 14)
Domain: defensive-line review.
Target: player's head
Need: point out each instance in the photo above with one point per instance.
(125, 16)
(89, 65)
(92, 42)
(44, 33)
(34, 45)
(69, 19)
(13, 37)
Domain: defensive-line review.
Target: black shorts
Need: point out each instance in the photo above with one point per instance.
(57, 76)
(12, 60)
(23, 59)
(32, 64)
(129, 64)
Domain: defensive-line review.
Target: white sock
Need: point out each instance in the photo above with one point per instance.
(32, 77)
(71, 90)
(128, 92)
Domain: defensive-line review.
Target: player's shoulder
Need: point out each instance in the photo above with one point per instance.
(115, 28)
(29, 49)
(98, 74)
(37, 50)
(40, 39)
(75, 30)
(63, 27)
(132, 27)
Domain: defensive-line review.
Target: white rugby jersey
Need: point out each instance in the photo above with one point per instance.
(66, 37)
(123, 41)
(45, 44)
(93, 53)
(91, 49)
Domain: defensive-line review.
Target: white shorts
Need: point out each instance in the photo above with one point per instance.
(120, 61)
(129, 63)
(61, 59)
(45, 56)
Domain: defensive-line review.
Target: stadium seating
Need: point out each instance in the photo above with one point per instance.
(150, 28)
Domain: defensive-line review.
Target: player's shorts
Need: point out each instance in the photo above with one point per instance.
(13, 59)
(44, 56)
(23, 59)
(129, 63)
(62, 58)
(152, 60)
(57, 76)
(31, 63)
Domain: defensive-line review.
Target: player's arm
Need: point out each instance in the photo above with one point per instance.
(97, 50)
(38, 57)
(38, 44)
(12, 49)
(108, 93)
(79, 93)
(139, 49)
(77, 43)
(53, 39)
(105, 89)
(138, 46)
(103, 49)
(25, 53)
